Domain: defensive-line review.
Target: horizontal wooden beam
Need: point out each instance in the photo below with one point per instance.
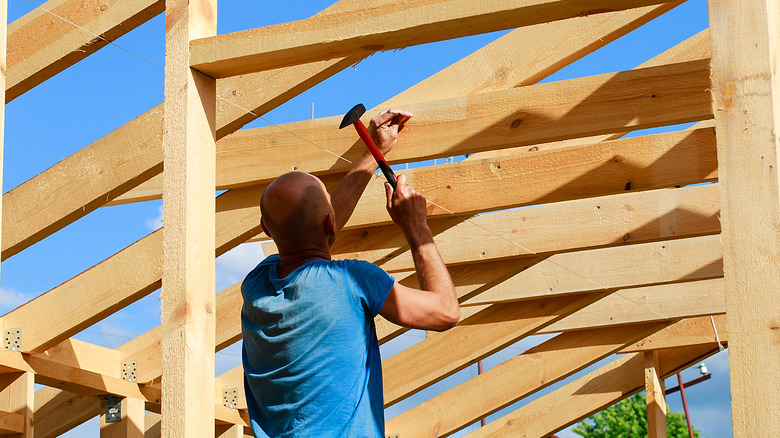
(632, 217)
(694, 258)
(41, 44)
(688, 332)
(514, 379)
(368, 30)
(588, 106)
(647, 304)
(589, 394)
(11, 423)
(473, 339)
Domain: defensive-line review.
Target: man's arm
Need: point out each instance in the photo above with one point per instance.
(344, 197)
(435, 305)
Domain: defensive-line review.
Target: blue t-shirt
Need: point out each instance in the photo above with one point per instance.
(311, 356)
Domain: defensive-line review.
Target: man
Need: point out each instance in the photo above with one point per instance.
(311, 356)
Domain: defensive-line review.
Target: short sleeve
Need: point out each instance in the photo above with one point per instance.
(371, 285)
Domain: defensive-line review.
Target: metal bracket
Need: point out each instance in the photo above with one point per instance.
(230, 397)
(113, 408)
(13, 339)
(130, 371)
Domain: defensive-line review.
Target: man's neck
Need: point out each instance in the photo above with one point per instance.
(292, 259)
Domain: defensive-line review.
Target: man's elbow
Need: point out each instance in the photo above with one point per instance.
(448, 319)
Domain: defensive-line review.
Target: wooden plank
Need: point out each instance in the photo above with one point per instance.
(153, 427)
(11, 423)
(569, 404)
(86, 356)
(123, 278)
(617, 267)
(188, 303)
(514, 379)
(637, 99)
(497, 66)
(473, 339)
(88, 298)
(17, 399)
(58, 411)
(132, 154)
(656, 400)
(647, 304)
(746, 94)
(131, 424)
(40, 44)
(690, 331)
(632, 217)
(368, 30)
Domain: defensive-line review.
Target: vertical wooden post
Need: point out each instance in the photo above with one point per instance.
(17, 395)
(656, 399)
(131, 424)
(746, 99)
(188, 293)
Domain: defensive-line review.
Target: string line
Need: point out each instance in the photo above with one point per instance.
(467, 219)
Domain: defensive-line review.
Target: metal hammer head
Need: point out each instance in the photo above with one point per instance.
(353, 115)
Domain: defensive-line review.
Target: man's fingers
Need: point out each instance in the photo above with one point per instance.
(389, 194)
(383, 118)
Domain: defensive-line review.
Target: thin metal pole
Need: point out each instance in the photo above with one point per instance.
(479, 371)
(685, 405)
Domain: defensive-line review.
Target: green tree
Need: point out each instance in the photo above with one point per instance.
(628, 418)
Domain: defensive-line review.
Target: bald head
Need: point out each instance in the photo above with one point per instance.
(295, 208)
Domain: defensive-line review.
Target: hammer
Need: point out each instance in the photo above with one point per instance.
(353, 118)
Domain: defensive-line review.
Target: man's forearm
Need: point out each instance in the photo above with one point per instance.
(347, 193)
(432, 273)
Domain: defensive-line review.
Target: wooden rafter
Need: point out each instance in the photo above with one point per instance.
(634, 99)
(514, 379)
(365, 31)
(609, 384)
(41, 44)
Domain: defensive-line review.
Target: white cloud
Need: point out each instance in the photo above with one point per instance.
(10, 299)
(156, 222)
(233, 266)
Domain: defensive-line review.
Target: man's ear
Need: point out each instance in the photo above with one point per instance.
(262, 224)
(329, 225)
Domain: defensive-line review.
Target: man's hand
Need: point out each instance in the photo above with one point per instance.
(408, 210)
(384, 128)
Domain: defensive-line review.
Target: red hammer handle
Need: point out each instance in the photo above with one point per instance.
(380, 160)
(366, 137)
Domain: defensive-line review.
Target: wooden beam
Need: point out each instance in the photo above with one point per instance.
(473, 339)
(368, 30)
(656, 400)
(589, 394)
(58, 411)
(497, 66)
(17, 401)
(153, 427)
(693, 258)
(40, 44)
(131, 424)
(632, 217)
(690, 331)
(746, 94)
(132, 154)
(647, 304)
(635, 99)
(189, 146)
(514, 379)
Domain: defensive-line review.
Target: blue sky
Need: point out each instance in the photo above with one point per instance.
(110, 88)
